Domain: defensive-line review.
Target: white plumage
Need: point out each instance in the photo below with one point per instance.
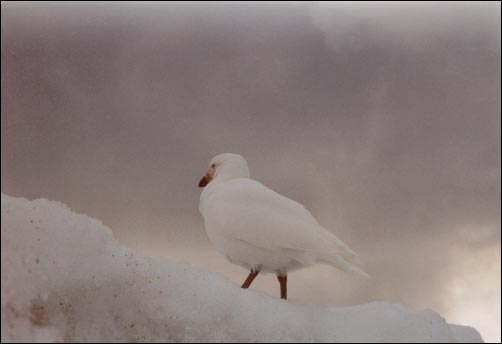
(261, 230)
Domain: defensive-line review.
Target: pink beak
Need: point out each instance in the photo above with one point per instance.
(204, 181)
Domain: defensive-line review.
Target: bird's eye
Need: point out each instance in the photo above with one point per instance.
(213, 165)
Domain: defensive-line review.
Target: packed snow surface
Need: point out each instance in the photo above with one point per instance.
(65, 278)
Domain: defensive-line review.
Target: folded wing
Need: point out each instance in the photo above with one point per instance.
(246, 210)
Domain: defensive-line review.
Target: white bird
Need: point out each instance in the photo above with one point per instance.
(261, 230)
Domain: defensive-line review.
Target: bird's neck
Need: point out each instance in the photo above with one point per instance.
(229, 172)
(224, 174)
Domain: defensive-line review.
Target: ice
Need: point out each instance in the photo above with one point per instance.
(65, 278)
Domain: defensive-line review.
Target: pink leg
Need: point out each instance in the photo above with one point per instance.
(250, 279)
(283, 280)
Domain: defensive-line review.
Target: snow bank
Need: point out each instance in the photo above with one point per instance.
(65, 278)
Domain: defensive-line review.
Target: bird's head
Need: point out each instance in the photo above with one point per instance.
(225, 166)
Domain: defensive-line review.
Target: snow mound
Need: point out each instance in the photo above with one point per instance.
(65, 278)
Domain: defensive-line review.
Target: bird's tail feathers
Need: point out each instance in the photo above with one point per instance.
(339, 255)
(355, 269)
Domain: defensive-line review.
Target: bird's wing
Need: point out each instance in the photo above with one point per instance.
(244, 209)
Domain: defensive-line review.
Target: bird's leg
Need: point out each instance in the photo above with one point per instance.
(283, 280)
(250, 279)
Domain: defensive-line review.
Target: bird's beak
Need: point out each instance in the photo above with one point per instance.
(205, 180)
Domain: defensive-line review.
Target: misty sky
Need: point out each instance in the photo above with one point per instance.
(384, 120)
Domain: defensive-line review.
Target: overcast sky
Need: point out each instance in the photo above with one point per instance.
(382, 119)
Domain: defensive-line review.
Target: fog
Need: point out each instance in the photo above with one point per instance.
(382, 119)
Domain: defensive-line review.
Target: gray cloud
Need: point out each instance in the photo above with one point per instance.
(383, 120)
(352, 26)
